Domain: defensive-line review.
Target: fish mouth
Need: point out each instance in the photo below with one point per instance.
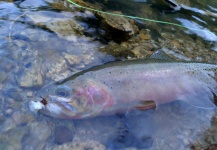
(53, 107)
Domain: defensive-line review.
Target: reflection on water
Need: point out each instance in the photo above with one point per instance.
(44, 41)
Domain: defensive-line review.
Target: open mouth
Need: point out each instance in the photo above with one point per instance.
(43, 101)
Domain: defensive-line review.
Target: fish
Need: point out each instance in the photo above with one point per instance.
(124, 86)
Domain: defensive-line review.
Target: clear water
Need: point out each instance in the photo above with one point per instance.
(37, 46)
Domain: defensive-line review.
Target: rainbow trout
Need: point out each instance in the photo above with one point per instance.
(127, 85)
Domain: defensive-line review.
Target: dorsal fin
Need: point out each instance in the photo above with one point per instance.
(160, 54)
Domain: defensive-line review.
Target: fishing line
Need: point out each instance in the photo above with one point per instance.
(134, 17)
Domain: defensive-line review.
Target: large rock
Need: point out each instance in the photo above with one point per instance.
(33, 4)
(118, 28)
(62, 24)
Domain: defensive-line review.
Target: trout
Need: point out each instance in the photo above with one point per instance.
(123, 86)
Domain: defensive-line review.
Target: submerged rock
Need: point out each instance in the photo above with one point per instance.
(139, 46)
(62, 134)
(55, 66)
(183, 47)
(33, 4)
(62, 24)
(78, 145)
(30, 78)
(65, 28)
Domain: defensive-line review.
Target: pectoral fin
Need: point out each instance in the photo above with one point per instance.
(150, 104)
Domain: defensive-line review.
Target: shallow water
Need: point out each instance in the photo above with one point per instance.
(43, 41)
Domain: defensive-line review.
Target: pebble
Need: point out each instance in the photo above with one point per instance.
(8, 111)
(62, 134)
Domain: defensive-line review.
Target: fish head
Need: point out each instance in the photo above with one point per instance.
(74, 99)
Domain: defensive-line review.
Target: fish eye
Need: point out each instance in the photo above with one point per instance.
(63, 92)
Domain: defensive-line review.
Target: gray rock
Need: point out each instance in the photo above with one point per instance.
(33, 4)
(7, 8)
(62, 24)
